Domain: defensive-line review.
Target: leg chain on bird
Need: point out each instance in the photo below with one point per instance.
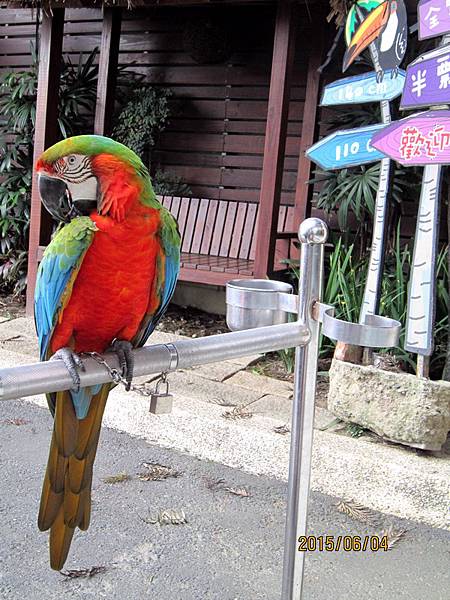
(118, 378)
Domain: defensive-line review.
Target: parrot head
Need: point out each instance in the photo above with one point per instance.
(88, 173)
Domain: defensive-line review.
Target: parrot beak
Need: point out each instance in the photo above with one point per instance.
(65, 202)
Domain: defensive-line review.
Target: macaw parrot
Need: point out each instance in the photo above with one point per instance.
(104, 282)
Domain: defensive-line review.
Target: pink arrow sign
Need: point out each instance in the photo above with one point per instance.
(421, 139)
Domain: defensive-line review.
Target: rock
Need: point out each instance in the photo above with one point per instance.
(397, 406)
(348, 353)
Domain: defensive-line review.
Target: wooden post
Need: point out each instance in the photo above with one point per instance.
(275, 141)
(46, 133)
(107, 70)
(303, 188)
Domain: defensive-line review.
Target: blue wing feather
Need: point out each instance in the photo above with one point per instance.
(62, 258)
(57, 271)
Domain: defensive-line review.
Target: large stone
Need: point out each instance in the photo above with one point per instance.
(397, 406)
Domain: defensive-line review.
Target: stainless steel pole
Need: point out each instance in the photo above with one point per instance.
(313, 234)
(52, 376)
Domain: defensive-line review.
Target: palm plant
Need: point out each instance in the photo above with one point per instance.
(18, 90)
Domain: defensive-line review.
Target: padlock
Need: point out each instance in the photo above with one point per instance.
(161, 402)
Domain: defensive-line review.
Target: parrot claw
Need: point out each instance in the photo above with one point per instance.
(73, 364)
(123, 349)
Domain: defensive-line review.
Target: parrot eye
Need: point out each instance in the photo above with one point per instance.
(72, 160)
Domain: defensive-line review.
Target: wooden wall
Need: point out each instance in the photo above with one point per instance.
(215, 141)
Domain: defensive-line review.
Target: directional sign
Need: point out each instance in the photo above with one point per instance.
(344, 149)
(428, 80)
(434, 18)
(422, 139)
(363, 88)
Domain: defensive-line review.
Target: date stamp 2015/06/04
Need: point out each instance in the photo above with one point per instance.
(346, 543)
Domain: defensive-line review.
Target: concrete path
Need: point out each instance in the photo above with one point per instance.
(229, 549)
(403, 482)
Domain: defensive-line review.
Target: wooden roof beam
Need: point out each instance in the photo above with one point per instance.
(303, 189)
(107, 70)
(275, 139)
(46, 133)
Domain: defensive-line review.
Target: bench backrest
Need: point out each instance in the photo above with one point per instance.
(220, 227)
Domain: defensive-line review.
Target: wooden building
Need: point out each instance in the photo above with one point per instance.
(238, 140)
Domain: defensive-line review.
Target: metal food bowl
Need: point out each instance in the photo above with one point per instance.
(255, 303)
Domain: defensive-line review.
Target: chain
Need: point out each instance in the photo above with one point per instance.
(118, 378)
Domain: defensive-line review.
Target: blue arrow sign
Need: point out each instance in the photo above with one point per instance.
(363, 88)
(348, 148)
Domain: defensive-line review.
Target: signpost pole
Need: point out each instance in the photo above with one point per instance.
(372, 291)
(422, 288)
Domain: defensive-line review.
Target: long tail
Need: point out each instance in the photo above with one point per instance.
(66, 493)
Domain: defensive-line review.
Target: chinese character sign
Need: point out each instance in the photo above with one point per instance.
(428, 80)
(418, 140)
(434, 18)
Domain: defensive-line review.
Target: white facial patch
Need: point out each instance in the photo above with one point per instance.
(85, 190)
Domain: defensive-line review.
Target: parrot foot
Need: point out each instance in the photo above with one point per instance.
(73, 364)
(124, 349)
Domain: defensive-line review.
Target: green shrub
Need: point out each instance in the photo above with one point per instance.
(166, 183)
(18, 91)
(143, 112)
(345, 278)
(142, 119)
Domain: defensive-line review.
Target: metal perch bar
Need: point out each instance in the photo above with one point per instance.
(52, 376)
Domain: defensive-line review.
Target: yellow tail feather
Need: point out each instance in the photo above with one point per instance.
(66, 493)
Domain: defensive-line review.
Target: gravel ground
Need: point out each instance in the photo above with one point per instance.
(229, 549)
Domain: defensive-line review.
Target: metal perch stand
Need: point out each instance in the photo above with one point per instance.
(258, 312)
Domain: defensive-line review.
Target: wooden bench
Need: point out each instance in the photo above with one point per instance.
(219, 238)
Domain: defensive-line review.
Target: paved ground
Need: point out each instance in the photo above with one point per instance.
(230, 549)
(384, 477)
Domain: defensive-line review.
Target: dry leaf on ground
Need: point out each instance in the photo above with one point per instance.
(119, 478)
(282, 429)
(157, 472)
(167, 517)
(393, 535)
(15, 421)
(356, 511)
(238, 412)
(214, 484)
(242, 492)
(76, 573)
